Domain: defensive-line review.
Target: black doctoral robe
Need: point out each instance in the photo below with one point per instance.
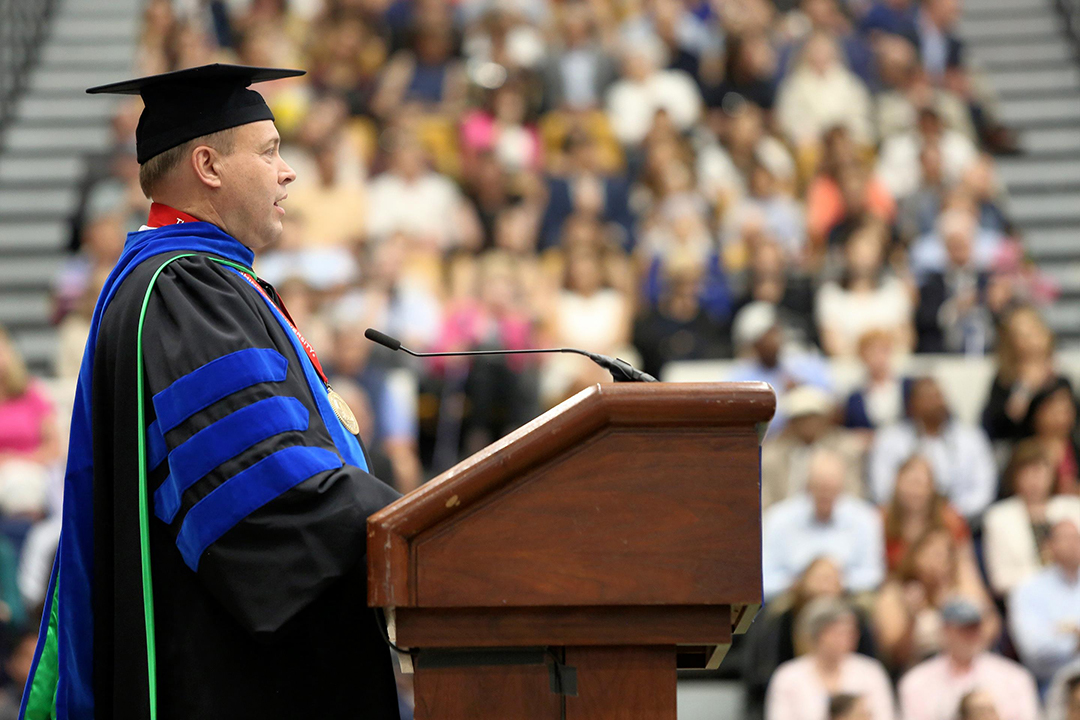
(257, 522)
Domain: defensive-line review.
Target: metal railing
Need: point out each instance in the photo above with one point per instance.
(22, 23)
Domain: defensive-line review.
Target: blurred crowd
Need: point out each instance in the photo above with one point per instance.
(784, 184)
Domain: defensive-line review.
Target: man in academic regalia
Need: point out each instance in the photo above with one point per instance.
(211, 563)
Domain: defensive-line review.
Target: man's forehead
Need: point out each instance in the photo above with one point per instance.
(259, 133)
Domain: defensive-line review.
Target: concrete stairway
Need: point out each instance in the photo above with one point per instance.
(1024, 50)
(41, 157)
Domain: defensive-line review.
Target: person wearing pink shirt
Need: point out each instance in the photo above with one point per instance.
(801, 688)
(29, 437)
(934, 689)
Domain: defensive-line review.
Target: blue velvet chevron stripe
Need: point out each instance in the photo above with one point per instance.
(246, 492)
(157, 450)
(221, 441)
(216, 380)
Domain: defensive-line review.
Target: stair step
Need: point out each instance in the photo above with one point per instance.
(52, 81)
(1065, 79)
(971, 6)
(1066, 275)
(29, 272)
(20, 309)
(78, 110)
(39, 236)
(1010, 55)
(981, 31)
(50, 140)
(109, 54)
(1063, 317)
(1016, 173)
(1027, 113)
(1051, 141)
(38, 203)
(38, 348)
(85, 31)
(62, 169)
(1046, 207)
(1053, 243)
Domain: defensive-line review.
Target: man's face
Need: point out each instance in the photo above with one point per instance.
(962, 642)
(1065, 545)
(254, 177)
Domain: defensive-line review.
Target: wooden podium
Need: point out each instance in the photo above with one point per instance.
(565, 570)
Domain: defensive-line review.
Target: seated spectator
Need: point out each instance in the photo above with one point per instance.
(491, 316)
(842, 194)
(810, 426)
(579, 70)
(769, 278)
(866, 298)
(822, 521)
(749, 73)
(845, 706)
(1051, 422)
(930, 253)
(584, 188)
(801, 688)
(1016, 529)
(827, 16)
(679, 328)
(334, 207)
(589, 313)
(324, 269)
(503, 129)
(977, 705)
(908, 88)
(919, 212)
(726, 149)
(101, 241)
(646, 89)
(952, 315)
(881, 399)
(1044, 610)
(18, 643)
(898, 160)
(393, 405)
(408, 183)
(1063, 697)
(821, 93)
(29, 437)
(425, 74)
(933, 689)
(942, 54)
(779, 213)
(916, 509)
(935, 576)
(759, 343)
(960, 454)
(771, 640)
(1025, 356)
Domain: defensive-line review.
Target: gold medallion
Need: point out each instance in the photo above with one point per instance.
(342, 410)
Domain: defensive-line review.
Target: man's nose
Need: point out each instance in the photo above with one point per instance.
(288, 174)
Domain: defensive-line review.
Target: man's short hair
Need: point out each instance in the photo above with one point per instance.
(153, 170)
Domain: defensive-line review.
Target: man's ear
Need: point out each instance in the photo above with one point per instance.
(206, 162)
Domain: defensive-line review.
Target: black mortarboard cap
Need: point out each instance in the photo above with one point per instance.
(186, 104)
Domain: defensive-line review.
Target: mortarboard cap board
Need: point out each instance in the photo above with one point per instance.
(186, 104)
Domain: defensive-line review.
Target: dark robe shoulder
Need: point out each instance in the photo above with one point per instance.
(257, 515)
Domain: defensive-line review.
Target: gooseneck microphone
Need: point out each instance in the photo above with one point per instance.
(621, 371)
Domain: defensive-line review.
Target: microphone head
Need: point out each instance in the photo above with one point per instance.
(382, 338)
